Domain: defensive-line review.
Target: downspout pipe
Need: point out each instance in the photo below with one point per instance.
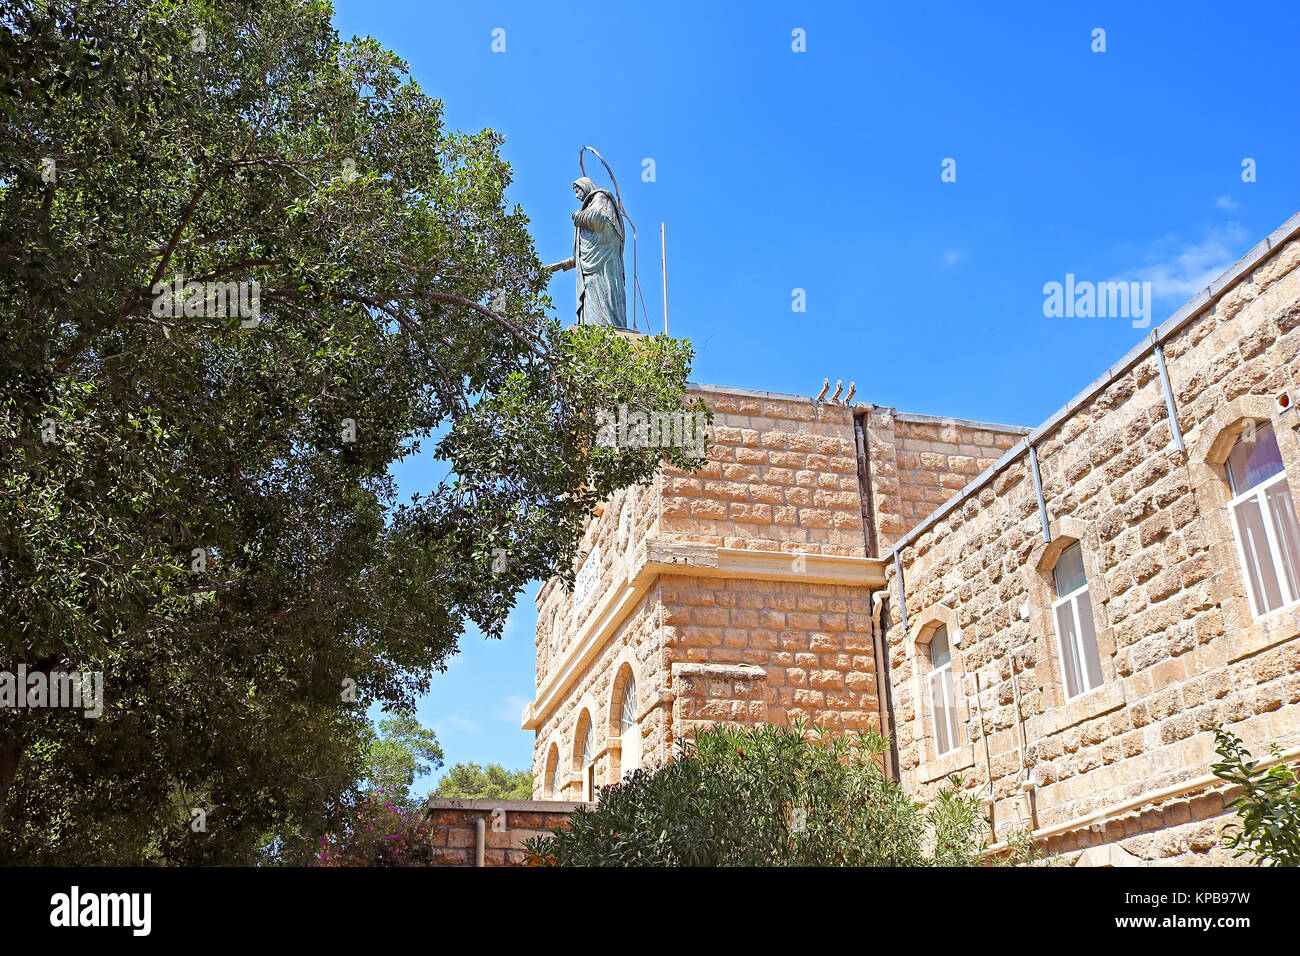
(902, 594)
(864, 485)
(884, 687)
(1038, 490)
(480, 837)
(1159, 350)
(882, 668)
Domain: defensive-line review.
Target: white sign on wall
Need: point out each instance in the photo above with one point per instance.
(584, 585)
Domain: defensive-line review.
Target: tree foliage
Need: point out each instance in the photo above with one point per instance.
(402, 750)
(1268, 806)
(471, 782)
(769, 796)
(201, 506)
(380, 833)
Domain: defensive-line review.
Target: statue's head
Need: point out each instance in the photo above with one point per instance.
(583, 187)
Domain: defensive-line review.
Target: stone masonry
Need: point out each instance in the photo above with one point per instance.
(1120, 774)
(742, 591)
(764, 587)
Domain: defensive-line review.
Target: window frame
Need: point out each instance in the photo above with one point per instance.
(629, 730)
(588, 761)
(1208, 450)
(1259, 492)
(1072, 598)
(945, 673)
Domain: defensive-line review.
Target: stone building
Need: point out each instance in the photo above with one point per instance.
(1061, 614)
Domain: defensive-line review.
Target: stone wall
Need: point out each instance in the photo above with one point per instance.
(782, 475)
(506, 825)
(739, 592)
(914, 463)
(807, 649)
(937, 457)
(1120, 773)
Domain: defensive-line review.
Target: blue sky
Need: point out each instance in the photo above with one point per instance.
(820, 170)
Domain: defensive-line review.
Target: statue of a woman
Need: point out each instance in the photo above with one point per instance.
(598, 257)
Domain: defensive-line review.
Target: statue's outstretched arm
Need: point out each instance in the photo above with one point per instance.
(564, 266)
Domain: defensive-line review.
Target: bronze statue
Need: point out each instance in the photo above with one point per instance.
(597, 257)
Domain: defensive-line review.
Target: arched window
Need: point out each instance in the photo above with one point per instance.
(628, 731)
(588, 763)
(943, 700)
(1264, 521)
(1076, 634)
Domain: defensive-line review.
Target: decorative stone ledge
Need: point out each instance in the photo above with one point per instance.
(940, 768)
(658, 556)
(720, 671)
(714, 693)
(1102, 700)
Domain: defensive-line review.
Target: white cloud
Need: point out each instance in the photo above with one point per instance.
(953, 256)
(1228, 203)
(512, 708)
(1179, 271)
(463, 724)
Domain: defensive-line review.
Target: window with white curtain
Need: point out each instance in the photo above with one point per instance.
(1264, 521)
(1075, 633)
(943, 701)
(628, 731)
(588, 764)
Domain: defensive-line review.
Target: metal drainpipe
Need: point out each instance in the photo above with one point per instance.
(893, 740)
(902, 592)
(480, 832)
(884, 693)
(1038, 490)
(868, 506)
(1159, 351)
(879, 649)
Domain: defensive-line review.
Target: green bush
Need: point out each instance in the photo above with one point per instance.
(769, 796)
(1268, 807)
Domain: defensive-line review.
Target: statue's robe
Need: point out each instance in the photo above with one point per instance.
(598, 251)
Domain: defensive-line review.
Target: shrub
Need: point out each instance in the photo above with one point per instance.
(1268, 808)
(768, 796)
(381, 834)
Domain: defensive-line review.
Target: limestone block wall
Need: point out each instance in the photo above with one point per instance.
(807, 648)
(1118, 774)
(938, 457)
(782, 475)
(915, 463)
(507, 824)
(596, 698)
(622, 525)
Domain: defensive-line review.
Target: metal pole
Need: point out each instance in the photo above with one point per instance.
(1038, 490)
(663, 259)
(902, 594)
(1169, 395)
